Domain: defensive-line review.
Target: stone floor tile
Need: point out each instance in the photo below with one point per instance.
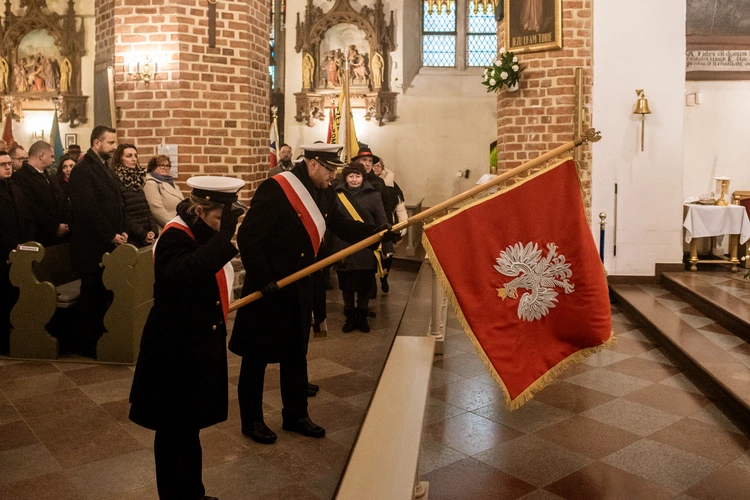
(219, 448)
(604, 357)
(656, 355)
(336, 415)
(600, 481)
(695, 321)
(532, 416)
(588, 437)
(79, 449)
(347, 384)
(437, 410)
(434, 455)
(727, 483)
(99, 374)
(345, 437)
(469, 394)
(55, 402)
(8, 413)
(75, 421)
(469, 433)
(703, 439)
(609, 382)
(534, 460)
(305, 458)
(710, 414)
(32, 386)
(631, 346)
(631, 416)
(470, 478)
(324, 368)
(466, 365)
(635, 334)
(663, 464)
(540, 494)
(16, 434)
(361, 400)
(681, 381)
(295, 491)
(55, 486)
(440, 377)
(17, 370)
(643, 368)
(743, 461)
(725, 342)
(26, 462)
(106, 392)
(104, 479)
(671, 400)
(571, 397)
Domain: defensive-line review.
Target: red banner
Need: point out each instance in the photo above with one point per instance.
(523, 274)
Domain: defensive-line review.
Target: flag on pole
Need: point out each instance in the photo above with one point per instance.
(54, 137)
(8, 131)
(331, 119)
(522, 272)
(343, 124)
(275, 146)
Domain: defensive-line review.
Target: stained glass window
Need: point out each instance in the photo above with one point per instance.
(481, 38)
(439, 35)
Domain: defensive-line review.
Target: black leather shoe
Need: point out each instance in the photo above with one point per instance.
(311, 393)
(304, 426)
(370, 313)
(313, 387)
(384, 284)
(259, 432)
(206, 497)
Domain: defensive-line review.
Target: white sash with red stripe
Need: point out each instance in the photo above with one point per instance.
(224, 278)
(304, 205)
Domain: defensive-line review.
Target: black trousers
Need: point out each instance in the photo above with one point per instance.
(179, 458)
(93, 302)
(293, 389)
(9, 295)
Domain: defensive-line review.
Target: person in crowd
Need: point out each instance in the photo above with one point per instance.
(141, 228)
(180, 381)
(367, 159)
(16, 227)
(98, 225)
(19, 156)
(358, 200)
(285, 161)
(64, 167)
(162, 193)
(395, 211)
(276, 328)
(44, 194)
(74, 150)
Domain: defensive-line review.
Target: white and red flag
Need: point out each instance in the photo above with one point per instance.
(524, 277)
(275, 146)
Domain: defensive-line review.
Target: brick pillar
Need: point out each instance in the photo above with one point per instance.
(211, 102)
(539, 116)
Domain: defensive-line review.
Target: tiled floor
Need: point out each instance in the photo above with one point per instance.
(624, 424)
(65, 435)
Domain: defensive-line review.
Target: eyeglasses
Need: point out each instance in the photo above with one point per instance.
(6, 164)
(22, 158)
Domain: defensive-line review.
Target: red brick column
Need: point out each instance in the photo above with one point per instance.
(211, 102)
(539, 116)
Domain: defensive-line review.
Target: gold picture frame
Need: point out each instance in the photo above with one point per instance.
(533, 25)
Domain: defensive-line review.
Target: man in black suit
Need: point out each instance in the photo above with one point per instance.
(16, 227)
(280, 235)
(44, 194)
(97, 226)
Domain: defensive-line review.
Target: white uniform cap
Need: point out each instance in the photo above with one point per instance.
(216, 188)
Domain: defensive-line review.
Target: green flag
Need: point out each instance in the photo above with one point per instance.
(55, 140)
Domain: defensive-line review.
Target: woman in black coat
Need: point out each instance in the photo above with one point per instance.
(180, 381)
(356, 272)
(142, 229)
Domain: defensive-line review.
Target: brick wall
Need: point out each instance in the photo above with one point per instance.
(211, 102)
(539, 116)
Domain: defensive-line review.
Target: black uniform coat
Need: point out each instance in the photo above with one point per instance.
(98, 212)
(16, 223)
(47, 201)
(181, 376)
(274, 244)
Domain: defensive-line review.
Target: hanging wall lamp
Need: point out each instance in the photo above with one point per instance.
(641, 108)
(146, 70)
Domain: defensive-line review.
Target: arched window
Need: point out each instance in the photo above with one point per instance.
(458, 33)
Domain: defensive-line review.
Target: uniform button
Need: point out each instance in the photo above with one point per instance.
(213, 327)
(299, 215)
(218, 302)
(301, 255)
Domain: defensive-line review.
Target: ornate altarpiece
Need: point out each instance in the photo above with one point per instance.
(367, 43)
(40, 60)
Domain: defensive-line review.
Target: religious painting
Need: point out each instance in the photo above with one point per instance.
(70, 139)
(718, 40)
(37, 66)
(533, 25)
(343, 47)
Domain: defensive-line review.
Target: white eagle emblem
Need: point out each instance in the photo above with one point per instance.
(538, 274)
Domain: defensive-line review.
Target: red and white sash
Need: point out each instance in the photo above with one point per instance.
(304, 205)
(224, 278)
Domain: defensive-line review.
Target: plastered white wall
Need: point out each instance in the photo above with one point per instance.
(446, 121)
(717, 136)
(637, 51)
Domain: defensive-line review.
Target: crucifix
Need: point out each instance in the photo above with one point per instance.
(212, 23)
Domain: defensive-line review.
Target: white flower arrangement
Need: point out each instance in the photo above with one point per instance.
(504, 71)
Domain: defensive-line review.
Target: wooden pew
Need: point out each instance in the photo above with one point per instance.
(129, 274)
(46, 282)
(385, 458)
(743, 198)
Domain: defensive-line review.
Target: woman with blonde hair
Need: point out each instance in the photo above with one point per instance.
(162, 193)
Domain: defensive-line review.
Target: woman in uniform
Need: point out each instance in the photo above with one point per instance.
(180, 382)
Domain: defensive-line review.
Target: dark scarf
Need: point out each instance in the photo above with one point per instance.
(131, 178)
(354, 191)
(164, 178)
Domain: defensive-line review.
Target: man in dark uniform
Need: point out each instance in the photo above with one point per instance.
(16, 227)
(97, 226)
(43, 192)
(280, 235)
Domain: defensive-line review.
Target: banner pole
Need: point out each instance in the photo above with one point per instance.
(590, 135)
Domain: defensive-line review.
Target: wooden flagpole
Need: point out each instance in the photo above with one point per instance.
(590, 135)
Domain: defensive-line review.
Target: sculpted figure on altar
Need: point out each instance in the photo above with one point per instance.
(358, 70)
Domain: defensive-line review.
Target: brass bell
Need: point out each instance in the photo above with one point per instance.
(641, 108)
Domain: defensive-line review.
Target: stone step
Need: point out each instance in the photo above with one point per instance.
(719, 360)
(716, 295)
